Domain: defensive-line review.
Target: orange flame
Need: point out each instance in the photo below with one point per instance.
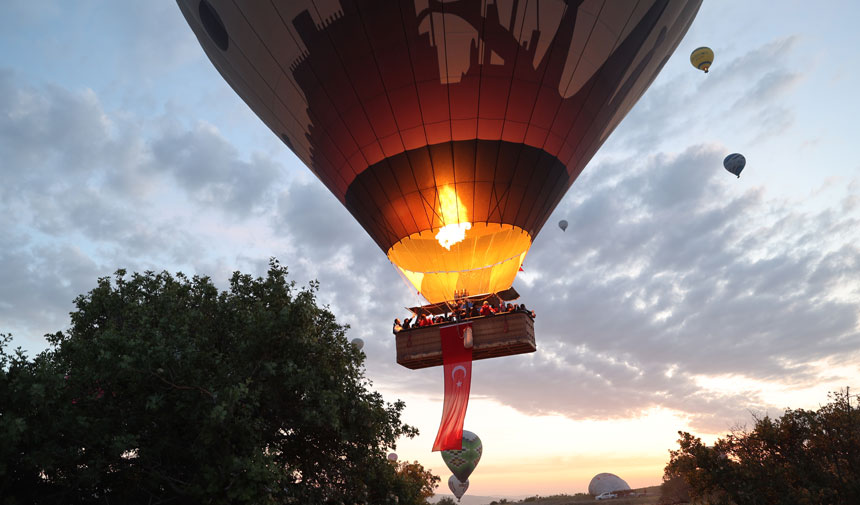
(454, 219)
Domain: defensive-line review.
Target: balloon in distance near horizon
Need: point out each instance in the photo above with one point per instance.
(358, 343)
(606, 483)
(452, 156)
(392, 456)
(702, 58)
(457, 487)
(735, 163)
(462, 462)
(563, 225)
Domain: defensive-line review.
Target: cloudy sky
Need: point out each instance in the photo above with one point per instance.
(680, 297)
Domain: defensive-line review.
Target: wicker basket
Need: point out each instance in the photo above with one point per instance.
(493, 336)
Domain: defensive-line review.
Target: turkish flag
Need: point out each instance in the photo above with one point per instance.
(457, 364)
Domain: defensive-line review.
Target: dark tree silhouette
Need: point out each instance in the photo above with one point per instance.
(803, 457)
(166, 390)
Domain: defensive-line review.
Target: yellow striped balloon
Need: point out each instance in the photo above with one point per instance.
(702, 58)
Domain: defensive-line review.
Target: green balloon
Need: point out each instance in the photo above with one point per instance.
(463, 462)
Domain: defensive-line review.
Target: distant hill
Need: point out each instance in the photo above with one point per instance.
(476, 500)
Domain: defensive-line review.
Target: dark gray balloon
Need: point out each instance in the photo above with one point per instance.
(735, 163)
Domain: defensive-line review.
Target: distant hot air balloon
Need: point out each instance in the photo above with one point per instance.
(358, 343)
(457, 487)
(701, 58)
(563, 225)
(462, 462)
(606, 483)
(735, 163)
(392, 456)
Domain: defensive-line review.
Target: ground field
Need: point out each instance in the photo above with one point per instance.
(650, 498)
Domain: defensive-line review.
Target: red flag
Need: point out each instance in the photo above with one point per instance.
(457, 364)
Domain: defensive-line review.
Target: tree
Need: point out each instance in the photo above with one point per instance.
(804, 457)
(415, 483)
(674, 490)
(165, 389)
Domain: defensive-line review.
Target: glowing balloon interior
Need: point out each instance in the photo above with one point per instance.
(451, 138)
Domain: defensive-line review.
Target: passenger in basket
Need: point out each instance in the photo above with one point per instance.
(397, 326)
(523, 308)
(486, 309)
(407, 323)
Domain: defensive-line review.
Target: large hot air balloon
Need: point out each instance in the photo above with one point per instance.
(452, 137)
(462, 462)
(457, 487)
(702, 58)
(735, 163)
(449, 129)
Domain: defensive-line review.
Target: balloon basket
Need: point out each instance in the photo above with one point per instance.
(493, 337)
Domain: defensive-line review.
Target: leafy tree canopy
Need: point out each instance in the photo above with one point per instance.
(165, 389)
(804, 457)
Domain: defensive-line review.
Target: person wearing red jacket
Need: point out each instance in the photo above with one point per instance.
(487, 309)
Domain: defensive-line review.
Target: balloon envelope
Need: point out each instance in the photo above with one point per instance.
(463, 462)
(563, 225)
(451, 138)
(735, 163)
(457, 487)
(702, 58)
(392, 456)
(358, 343)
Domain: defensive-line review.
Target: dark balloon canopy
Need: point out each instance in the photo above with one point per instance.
(450, 130)
(735, 163)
